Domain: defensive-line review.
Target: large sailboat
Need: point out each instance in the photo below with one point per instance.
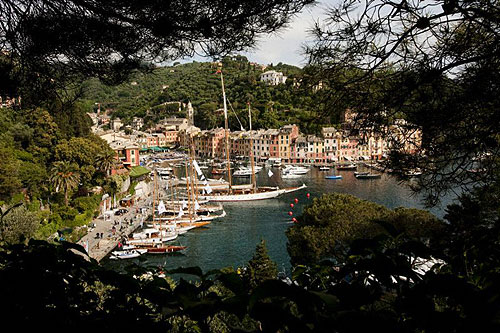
(248, 192)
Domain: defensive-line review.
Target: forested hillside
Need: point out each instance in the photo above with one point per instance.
(144, 94)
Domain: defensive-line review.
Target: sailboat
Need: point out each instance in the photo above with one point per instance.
(232, 193)
(154, 235)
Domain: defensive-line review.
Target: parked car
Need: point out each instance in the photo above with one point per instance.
(121, 211)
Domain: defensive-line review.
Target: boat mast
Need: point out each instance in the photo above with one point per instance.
(254, 183)
(154, 195)
(193, 188)
(187, 189)
(195, 175)
(227, 134)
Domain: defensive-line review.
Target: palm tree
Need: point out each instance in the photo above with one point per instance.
(64, 177)
(106, 161)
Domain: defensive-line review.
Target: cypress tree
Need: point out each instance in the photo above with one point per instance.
(260, 267)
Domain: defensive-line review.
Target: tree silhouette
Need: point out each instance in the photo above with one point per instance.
(64, 177)
(51, 41)
(260, 268)
(106, 161)
(434, 64)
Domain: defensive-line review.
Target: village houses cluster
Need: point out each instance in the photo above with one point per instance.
(286, 143)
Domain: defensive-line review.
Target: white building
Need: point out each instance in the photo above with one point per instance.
(273, 78)
(116, 124)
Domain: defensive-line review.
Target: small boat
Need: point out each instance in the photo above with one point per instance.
(152, 236)
(298, 170)
(127, 254)
(369, 176)
(162, 249)
(361, 173)
(290, 175)
(351, 166)
(333, 177)
(324, 168)
(243, 172)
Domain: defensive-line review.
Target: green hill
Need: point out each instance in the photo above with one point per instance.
(144, 94)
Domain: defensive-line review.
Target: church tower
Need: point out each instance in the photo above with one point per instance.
(190, 114)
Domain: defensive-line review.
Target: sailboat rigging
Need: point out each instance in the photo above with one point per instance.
(243, 193)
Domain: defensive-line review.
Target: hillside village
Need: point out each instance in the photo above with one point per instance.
(286, 143)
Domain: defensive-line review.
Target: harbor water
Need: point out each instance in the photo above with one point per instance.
(231, 241)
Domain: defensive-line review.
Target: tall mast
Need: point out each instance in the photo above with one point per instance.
(195, 183)
(193, 187)
(227, 134)
(154, 195)
(187, 190)
(254, 183)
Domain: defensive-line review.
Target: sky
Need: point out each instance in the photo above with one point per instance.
(286, 45)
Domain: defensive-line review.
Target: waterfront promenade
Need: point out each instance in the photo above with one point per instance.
(98, 248)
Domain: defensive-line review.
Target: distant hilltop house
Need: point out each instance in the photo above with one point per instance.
(273, 78)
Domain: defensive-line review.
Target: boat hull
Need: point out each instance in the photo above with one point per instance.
(243, 197)
(369, 176)
(333, 177)
(165, 249)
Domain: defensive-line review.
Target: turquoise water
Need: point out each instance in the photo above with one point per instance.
(231, 241)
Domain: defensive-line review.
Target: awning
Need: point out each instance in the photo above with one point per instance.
(138, 171)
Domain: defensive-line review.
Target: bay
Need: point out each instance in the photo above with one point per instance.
(231, 241)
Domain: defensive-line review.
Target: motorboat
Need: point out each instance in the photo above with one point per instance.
(324, 168)
(152, 236)
(368, 176)
(242, 173)
(333, 177)
(298, 170)
(350, 166)
(127, 254)
(290, 175)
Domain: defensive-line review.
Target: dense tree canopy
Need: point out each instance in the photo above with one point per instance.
(50, 41)
(157, 95)
(433, 63)
(332, 222)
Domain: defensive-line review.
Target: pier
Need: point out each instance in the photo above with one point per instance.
(98, 248)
